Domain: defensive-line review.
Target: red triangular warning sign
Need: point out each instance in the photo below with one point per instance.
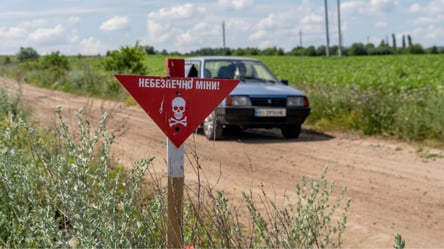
(177, 105)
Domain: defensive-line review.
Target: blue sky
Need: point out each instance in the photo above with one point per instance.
(96, 26)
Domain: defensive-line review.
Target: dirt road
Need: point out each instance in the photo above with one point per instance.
(395, 187)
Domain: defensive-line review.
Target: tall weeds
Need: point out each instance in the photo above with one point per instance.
(63, 189)
(409, 113)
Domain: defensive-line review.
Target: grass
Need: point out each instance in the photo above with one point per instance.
(395, 96)
(398, 96)
(61, 188)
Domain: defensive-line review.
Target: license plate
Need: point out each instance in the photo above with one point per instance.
(271, 112)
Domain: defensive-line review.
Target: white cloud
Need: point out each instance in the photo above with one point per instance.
(266, 44)
(46, 35)
(312, 19)
(91, 46)
(415, 8)
(433, 32)
(353, 8)
(158, 32)
(188, 25)
(13, 32)
(177, 12)
(74, 20)
(32, 24)
(269, 22)
(424, 20)
(235, 4)
(374, 7)
(380, 24)
(258, 35)
(180, 27)
(383, 5)
(185, 39)
(117, 23)
(429, 8)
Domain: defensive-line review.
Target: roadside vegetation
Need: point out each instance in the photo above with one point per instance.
(61, 188)
(398, 94)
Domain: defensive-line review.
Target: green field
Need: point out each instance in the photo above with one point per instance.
(400, 96)
(365, 71)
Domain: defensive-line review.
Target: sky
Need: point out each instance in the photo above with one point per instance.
(91, 27)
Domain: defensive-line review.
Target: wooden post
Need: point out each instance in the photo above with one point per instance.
(175, 195)
(175, 155)
(177, 121)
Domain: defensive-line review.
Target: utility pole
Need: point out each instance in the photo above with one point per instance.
(300, 38)
(339, 29)
(327, 48)
(223, 35)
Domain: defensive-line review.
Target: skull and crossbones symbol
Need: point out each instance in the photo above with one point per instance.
(178, 107)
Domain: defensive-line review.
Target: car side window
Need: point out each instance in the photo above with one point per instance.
(192, 68)
(219, 69)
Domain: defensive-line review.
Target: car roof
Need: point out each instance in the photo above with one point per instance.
(207, 58)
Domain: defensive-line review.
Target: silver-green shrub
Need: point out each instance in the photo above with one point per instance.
(63, 191)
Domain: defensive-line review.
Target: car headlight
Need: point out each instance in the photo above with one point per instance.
(238, 101)
(297, 101)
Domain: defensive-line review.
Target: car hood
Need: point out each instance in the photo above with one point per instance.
(259, 89)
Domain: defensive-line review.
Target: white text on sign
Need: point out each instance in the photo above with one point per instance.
(179, 83)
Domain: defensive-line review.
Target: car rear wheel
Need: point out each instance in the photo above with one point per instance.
(212, 130)
(291, 131)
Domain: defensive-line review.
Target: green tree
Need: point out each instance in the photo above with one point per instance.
(416, 49)
(27, 54)
(271, 51)
(149, 49)
(320, 51)
(394, 41)
(357, 49)
(297, 51)
(55, 60)
(126, 60)
(7, 60)
(432, 50)
(310, 51)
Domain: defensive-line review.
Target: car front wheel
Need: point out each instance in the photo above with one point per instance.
(291, 131)
(212, 130)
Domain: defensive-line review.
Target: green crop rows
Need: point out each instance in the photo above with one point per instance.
(365, 72)
(398, 95)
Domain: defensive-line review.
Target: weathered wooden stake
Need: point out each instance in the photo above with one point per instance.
(175, 155)
(177, 104)
(175, 195)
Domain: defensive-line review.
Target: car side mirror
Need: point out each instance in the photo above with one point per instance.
(285, 82)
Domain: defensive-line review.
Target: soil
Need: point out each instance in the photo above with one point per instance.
(395, 187)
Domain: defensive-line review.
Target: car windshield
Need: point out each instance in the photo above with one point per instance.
(238, 69)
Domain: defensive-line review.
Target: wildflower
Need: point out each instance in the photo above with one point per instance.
(73, 242)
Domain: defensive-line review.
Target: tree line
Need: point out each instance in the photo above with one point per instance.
(356, 49)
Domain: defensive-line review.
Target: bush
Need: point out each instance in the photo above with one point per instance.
(71, 193)
(62, 189)
(27, 54)
(312, 220)
(126, 60)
